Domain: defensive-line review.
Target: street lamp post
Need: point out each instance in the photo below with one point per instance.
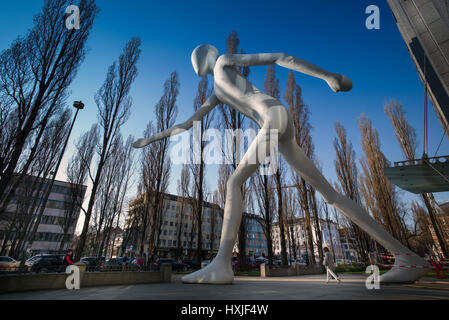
(78, 105)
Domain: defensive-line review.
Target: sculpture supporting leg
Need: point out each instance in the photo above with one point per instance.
(406, 258)
(220, 270)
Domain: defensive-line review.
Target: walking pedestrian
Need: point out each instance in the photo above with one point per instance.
(329, 264)
(124, 261)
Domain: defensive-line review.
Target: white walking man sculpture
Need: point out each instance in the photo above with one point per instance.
(231, 88)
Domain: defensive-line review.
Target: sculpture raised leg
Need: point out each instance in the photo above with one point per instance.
(405, 259)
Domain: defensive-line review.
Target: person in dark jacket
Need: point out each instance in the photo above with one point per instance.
(68, 259)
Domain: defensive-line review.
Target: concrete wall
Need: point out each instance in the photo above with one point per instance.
(297, 270)
(33, 282)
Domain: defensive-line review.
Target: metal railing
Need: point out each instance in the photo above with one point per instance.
(414, 162)
(49, 269)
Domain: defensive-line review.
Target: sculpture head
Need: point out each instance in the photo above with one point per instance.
(203, 59)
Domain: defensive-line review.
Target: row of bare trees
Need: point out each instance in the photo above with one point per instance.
(35, 74)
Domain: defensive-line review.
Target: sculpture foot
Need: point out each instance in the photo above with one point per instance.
(339, 82)
(214, 273)
(407, 269)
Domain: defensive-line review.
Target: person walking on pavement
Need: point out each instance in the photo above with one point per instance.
(124, 262)
(329, 264)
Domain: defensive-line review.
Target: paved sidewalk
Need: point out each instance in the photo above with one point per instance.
(252, 288)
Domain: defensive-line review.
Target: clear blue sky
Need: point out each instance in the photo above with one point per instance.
(329, 33)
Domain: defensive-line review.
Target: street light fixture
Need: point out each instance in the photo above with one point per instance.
(78, 105)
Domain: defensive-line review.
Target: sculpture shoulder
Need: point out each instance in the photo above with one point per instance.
(223, 60)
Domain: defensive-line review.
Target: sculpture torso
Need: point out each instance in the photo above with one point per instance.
(233, 89)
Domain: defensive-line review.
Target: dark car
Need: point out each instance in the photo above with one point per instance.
(191, 263)
(116, 264)
(45, 263)
(175, 266)
(93, 263)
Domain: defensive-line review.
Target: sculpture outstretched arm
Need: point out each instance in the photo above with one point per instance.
(211, 103)
(337, 82)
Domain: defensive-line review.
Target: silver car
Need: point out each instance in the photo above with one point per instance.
(8, 264)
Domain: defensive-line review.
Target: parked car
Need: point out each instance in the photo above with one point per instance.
(301, 262)
(277, 262)
(192, 264)
(45, 263)
(92, 263)
(204, 263)
(260, 261)
(116, 264)
(249, 264)
(176, 266)
(8, 264)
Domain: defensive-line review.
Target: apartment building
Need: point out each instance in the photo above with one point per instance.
(58, 221)
(178, 228)
(296, 238)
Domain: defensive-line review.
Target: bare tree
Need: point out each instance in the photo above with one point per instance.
(114, 103)
(102, 209)
(291, 220)
(271, 87)
(77, 174)
(300, 115)
(379, 194)
(264, 206)
(121, 181)
(423, 242)
(347, 174)
(35, 73)
(184, 204)
(406, 136)
(234, 121)
(224, 173)
(155, 165)
(197, 166)
(34, 187)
